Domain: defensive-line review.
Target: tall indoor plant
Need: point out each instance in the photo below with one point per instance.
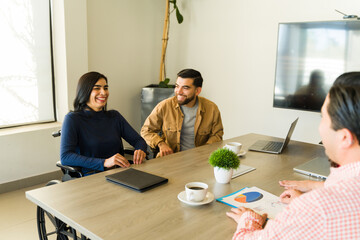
(163, 80)
(154, 93)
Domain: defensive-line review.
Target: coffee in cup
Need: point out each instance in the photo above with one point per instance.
(234, 146)
(196, 191)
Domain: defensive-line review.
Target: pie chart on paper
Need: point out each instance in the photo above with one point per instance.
(248, 197)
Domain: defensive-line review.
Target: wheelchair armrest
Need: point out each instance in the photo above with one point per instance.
(155, 151)
(69, 168)
(129, 151)
(57, 133)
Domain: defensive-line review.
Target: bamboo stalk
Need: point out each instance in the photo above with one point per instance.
(164, 42)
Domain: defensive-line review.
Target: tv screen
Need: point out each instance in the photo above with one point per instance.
(310, 56)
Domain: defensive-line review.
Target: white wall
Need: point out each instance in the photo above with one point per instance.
(233, 44)
(124, 39)
(29, 152)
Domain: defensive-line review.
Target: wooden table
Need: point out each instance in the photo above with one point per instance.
(103, 210)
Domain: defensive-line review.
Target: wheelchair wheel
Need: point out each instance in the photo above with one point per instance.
(49, 227)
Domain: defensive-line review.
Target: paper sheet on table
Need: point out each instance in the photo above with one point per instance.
(255, 198)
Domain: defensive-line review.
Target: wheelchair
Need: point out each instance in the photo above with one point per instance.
(50, 227)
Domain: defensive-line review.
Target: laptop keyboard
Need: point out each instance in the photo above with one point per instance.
(272, 146)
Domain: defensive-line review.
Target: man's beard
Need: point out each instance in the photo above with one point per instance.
(333, 164)
(186, 101)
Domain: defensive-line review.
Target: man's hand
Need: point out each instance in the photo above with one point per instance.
(302, 186)
(288, 195)
(236, 214)
(295, 188)
(117, 159)
(164, 149)
(139, 156)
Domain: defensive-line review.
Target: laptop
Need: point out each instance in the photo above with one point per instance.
(318, 167)
(136, 180)
(273, 146)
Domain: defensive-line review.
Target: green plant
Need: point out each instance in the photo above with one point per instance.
(224, 158)
(165, 83)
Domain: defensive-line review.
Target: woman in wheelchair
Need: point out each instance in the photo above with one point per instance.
(91, 136)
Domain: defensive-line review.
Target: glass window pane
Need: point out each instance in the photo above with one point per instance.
(26, 91)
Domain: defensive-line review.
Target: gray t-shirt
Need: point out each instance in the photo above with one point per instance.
(187, 137)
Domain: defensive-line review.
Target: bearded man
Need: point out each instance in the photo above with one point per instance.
(184, 121)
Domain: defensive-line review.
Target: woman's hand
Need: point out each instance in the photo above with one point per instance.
(118, 160)
(139, 156)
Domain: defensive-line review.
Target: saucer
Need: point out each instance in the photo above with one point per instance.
(241, 153)
(208, 199)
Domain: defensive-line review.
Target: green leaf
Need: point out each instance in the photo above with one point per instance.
(224, 158)
(162, 84)
(179, 17)
(165, 83)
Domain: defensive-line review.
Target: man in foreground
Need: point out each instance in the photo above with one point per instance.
(186, 120)
(331, 211)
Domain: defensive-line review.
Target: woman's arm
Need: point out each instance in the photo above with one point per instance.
(134, 139)
(70, 144)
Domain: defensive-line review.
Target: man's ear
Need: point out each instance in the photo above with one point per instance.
(347, 139)
(198, 90)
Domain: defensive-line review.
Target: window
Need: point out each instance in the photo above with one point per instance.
(26, 75)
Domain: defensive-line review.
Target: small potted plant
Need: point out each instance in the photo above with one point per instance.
(224, 161)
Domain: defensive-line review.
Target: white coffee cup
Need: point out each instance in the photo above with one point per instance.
(234, 146)
(196, 191)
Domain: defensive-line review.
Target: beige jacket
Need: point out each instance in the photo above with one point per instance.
(168, 117)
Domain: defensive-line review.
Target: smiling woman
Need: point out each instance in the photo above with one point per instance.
(91, 136)
(92, 92)
(26, 82)
(99, 95)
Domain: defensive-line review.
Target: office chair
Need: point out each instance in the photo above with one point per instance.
(46, 221)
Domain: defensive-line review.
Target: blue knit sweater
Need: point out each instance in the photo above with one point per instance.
(89, 137)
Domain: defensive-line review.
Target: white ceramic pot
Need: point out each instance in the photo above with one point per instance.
(222, 175)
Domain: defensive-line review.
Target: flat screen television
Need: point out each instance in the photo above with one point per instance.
(310, 56)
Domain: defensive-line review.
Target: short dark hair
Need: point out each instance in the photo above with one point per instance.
(85, 86)
(348, 79)
(191, 73)
(344, 105)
